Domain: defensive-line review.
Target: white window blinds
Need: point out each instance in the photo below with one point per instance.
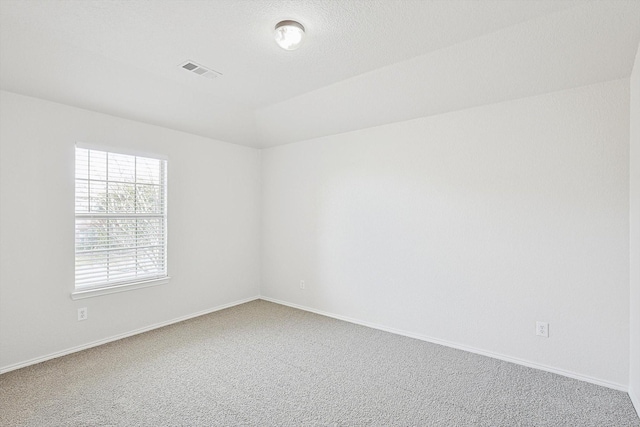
(121, 219)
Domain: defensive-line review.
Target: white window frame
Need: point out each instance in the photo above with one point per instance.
(108, 287)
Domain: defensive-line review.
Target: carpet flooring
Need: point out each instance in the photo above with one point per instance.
(263, 364)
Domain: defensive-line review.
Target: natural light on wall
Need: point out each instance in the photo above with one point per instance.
(120, 219)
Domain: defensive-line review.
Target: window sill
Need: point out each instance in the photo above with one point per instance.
(89, 293)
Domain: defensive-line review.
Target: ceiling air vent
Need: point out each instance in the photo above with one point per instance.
(200, 70)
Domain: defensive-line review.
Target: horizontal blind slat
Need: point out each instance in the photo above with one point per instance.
(120, 218)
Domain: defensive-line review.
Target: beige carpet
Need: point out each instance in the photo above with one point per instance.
(262, 364)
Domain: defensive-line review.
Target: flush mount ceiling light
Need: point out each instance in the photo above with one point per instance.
(289, 34)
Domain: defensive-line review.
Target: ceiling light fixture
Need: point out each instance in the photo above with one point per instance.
(289, 34)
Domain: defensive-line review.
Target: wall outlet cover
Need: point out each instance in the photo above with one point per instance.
(542, 329)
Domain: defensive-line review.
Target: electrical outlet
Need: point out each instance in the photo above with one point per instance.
(542, 329)
(82, 313)
(301, 284)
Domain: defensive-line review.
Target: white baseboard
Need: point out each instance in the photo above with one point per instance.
(33, 361)
(633, 396)
(451, 344)
(635, 399)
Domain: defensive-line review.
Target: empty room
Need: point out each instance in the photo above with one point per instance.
(319, 213)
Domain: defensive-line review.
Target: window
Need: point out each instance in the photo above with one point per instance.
(121, 220)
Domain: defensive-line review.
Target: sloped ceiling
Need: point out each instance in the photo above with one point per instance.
(364, 62)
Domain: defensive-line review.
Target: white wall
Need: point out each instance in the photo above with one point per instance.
(634, 235)
(213, 204)
(467, 227)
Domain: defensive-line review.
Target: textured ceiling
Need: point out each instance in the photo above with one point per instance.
(364, 62)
